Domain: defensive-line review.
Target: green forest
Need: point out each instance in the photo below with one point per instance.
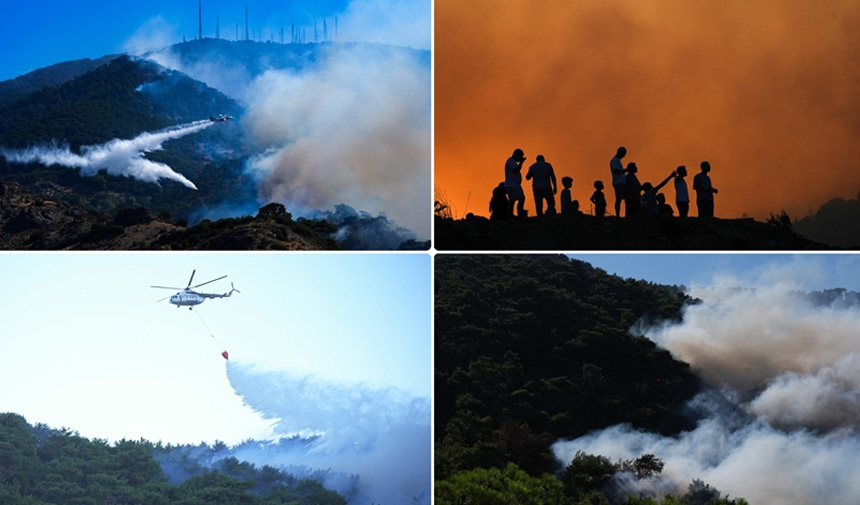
(530, 349)
(44, 466)
(123, 99)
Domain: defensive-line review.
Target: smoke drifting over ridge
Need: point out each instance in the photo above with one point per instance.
(117, 157)
(780, 424)
(381, 435)
(354, 131)
(336, 123)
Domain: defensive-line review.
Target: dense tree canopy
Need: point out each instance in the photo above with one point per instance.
(42, 466)
(530, 349)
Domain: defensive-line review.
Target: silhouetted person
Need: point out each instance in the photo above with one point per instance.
(682, 196)
(704, 191)
(664, 208)
(634, 189)
(513, 182)
(648, 200)
(619, 181)
(500, 209)
(598, 199)
(544, 185)
(566, 204)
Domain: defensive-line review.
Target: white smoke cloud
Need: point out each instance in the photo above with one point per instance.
(381, 435)
(773, 346)
(154, 34)
(787, 430)
(756, 461)
(117, 157)
(354, 130)
(352, 127)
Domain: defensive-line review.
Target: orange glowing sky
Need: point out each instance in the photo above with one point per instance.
(767, 91)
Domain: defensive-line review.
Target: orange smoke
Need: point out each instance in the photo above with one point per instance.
(767, 91)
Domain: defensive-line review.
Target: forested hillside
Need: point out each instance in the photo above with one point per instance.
(53, 75)
(120, 100)
(532, 349)
(41, 466)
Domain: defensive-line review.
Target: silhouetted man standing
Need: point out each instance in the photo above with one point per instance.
(544, 185)
(682, 196)
(513, 182)
(704, 191)
(619, 180)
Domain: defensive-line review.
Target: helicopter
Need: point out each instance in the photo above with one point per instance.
(187, 297)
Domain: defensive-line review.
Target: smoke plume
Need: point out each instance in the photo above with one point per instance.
(355, 129)
(117, 157)
(763, 91)
(780, 422)
(381, 435)
(339, 122)
(362, 231)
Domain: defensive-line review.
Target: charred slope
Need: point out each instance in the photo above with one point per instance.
(32, 222)
(530, 349)
(644, 232)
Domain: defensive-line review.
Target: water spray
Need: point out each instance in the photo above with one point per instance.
(117, 157)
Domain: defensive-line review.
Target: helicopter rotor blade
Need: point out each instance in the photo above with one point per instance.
(207, 282)
(166, 287)
(165, 298)
(191, 279)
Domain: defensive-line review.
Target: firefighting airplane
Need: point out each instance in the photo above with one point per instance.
(187, 297)
(220, 119)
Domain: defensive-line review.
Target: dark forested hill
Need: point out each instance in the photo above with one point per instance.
(41, 466)
(529, 349)
(53, 75)
(121, 100)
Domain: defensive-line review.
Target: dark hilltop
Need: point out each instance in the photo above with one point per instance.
(29, 221)
(644, 232)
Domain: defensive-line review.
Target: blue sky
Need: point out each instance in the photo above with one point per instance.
(87, 345)
(39, 33)
(810, 271)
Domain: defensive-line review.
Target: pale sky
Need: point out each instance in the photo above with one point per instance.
(88, 347)
(810, 271)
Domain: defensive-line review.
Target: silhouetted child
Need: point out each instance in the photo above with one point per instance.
(682, 196)
(648, 201)
(566, 207)
(598, 199)
(664, 208)
(500, 209)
